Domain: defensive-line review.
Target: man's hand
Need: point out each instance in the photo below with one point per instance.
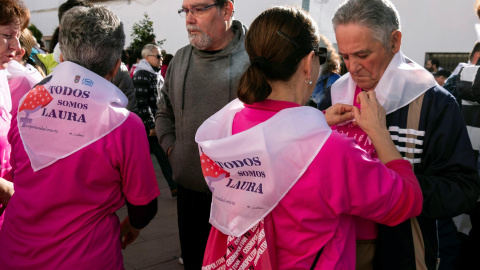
(6, 192)
(338, 113)
(128, 234)
(152, 132)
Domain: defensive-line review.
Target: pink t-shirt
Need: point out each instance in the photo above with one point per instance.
(19, 86)
(356, 132)
(366, 229)
(343, 181)
(5, 119)
(5, 148)
(63, 216)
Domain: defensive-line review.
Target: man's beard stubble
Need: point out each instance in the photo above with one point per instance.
(200, 41)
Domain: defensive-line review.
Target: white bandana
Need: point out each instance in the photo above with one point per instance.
(75, 108)
(15, 69)
(401, 83)
(5, 98)
(250, 172)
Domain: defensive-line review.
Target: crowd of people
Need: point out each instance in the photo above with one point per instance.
(276, 159)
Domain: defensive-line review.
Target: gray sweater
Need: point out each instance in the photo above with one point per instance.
(197, 85)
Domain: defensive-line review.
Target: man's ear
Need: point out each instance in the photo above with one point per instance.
(61, 58)
(475, 58)
(228, 10)
(396, 41)
(114, 70)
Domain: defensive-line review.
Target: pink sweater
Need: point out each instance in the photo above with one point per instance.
(343, 181)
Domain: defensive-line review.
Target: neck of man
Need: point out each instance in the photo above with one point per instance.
(221, 44)
(156, 69)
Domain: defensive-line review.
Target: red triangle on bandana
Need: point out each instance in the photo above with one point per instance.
(38, 96)
(211, 170)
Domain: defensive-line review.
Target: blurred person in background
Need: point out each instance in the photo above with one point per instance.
(146, 80)
(441, 76)
(23, 73)
(166, 61)
(14, 17)
(329, 72)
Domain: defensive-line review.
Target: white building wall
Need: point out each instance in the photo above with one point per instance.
(427, 25)
(166, 21)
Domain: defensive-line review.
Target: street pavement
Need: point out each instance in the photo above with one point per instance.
(158, 245)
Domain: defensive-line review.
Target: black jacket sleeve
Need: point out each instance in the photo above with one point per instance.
(448, 172)
(123, 81)
(327, 100)
(141, 215)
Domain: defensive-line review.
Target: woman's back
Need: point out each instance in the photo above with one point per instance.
(64, 214)
(317, 211)
(285, 186)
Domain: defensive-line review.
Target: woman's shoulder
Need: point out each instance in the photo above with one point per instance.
(339, 145)
(132, 125)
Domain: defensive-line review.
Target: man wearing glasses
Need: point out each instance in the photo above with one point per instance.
(145, 79)
(200, 80)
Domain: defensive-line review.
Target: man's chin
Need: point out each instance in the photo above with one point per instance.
(364, 84)
(199, 44)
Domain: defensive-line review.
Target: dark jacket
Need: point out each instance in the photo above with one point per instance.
(145, 81)
(468, 90)
(123, 81)
(445, 167)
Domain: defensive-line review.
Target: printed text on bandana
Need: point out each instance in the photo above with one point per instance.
(67, 113)
(62, 96)
(215, 171)
(242, 252)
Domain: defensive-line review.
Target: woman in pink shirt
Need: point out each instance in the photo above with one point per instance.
(78, 155)
(14, 17)
(286, 188)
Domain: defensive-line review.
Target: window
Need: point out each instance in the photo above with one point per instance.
(448, 61)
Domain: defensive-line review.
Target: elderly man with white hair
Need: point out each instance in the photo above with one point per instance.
(425, 124)
(147, 82)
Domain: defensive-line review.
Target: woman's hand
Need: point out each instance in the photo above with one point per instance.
(6, 192)
(372, 120)
(372, 117)
(338, 113)
(128, 234)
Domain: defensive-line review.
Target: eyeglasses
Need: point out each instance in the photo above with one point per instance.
(156, 55)
(321, 52)
(196, 11)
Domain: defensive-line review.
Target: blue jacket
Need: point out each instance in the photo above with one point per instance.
(323, 82)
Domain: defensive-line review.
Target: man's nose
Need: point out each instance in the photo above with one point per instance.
(189, 18)
(354, 65)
